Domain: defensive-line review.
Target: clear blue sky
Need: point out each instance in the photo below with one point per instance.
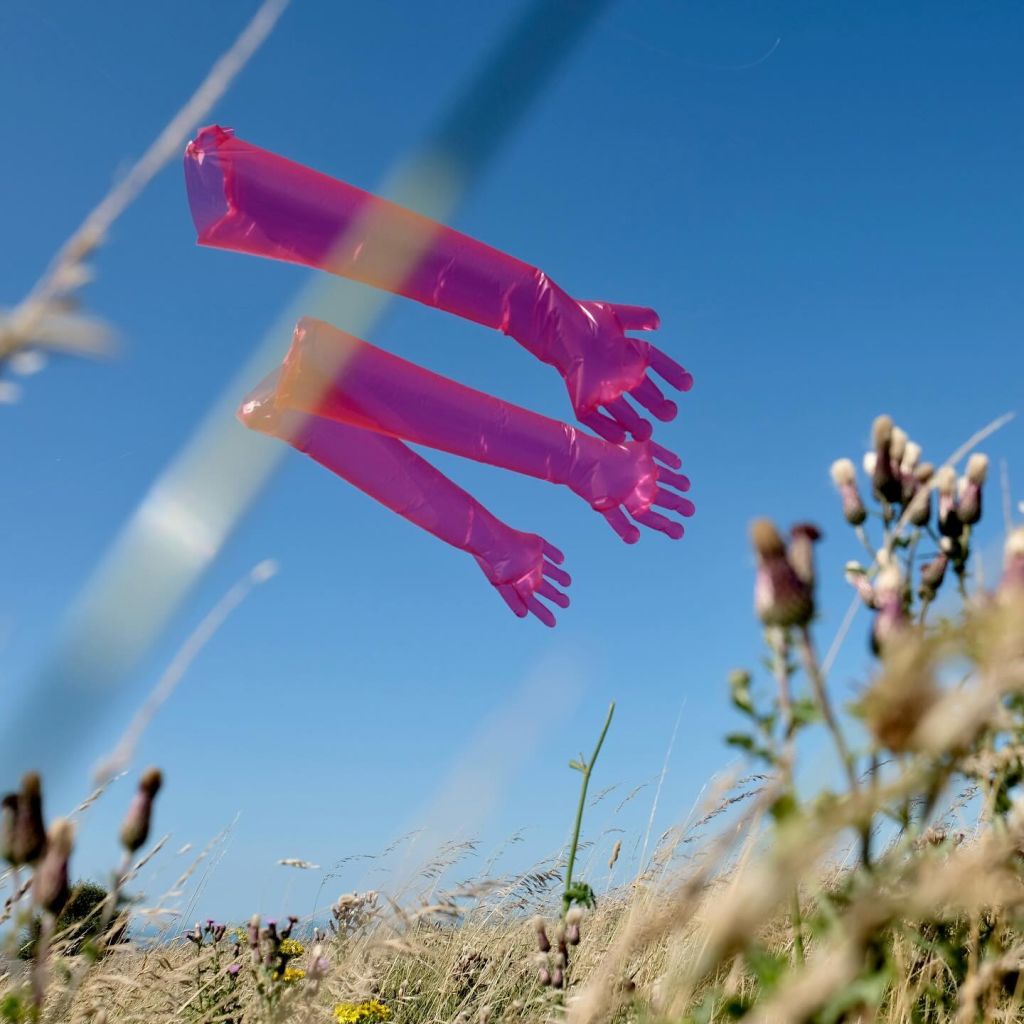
(822, 201)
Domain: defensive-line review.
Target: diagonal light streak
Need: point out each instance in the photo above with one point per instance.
(191, 509)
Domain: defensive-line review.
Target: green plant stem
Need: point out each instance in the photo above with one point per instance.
(862, 536)
(574, 844)
(813, 671)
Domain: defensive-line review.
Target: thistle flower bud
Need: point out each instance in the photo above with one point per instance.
(898, 446)
(892, 618)
(8, 816)
(543, 943)
(886, 484)
(572, 926)
(319, 965)
(945, 484)
(844, 476)
(233, 970)
(857, 577)
(195, 935)
(544, 976)
(919, 509)
(1012, 584)
(136, 825)
(868, 463)
(969, 505)
(781, 597)
(911, 457)
(252, 930)
(932, 576)
(558, 978)
(29, 840)
(802, 539)
(50, 888)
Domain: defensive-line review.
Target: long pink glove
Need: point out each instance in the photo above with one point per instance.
(250, 200)
(331, 374)
(519, 565)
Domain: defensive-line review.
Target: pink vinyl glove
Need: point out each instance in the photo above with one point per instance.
(333, 375)
(248, 199)
(520, 566)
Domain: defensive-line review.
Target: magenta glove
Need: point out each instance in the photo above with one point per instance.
(520, 566)
(331, 374)
(250, 200)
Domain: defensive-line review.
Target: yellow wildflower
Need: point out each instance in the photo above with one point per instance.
(369, 1012)
(294, 974)
(291, 947)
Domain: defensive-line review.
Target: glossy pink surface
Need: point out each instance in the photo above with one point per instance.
(248, 199)
(388, 395)
(522, 567)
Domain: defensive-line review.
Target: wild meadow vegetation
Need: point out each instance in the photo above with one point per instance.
(892, 892)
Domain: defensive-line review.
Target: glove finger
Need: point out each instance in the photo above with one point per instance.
(656, 521)
(550, 551)
(666, 367)
(621, 525)
(671, 500)
(547, 590)
(604, 427)
(560, 576)
(513, 600)
(676, 480)
(629, 419)
(650, 396)
(541, 611)
(662, 454)
(636, 318)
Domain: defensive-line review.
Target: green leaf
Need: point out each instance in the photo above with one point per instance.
(785, 807)
(768, 968)
(739, 689)
(580, 893)
(742, 740)
(805, 711)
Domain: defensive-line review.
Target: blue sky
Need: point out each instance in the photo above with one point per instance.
(822, 202)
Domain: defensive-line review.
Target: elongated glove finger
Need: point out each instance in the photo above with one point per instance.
(560, 576)
(656, 521)
(604, 427)
(672, 501)
(621, 525)
(629, 419)
(550, 551)
(665, 456)
(636, 318)
(666, 367)
(513, 600)
(650, 396)
(541, 611)
(676, 480)
(555, 596)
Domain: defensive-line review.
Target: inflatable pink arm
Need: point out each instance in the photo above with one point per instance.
(331, 374)
(520, 566)
(250, 200)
